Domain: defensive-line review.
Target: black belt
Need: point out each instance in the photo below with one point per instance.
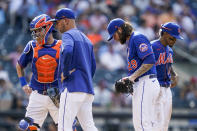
(44, 92)
(165, 85)
(150, 77)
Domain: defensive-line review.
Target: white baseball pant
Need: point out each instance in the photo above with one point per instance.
(39, 106)
(165, 103)
(76, 104)
(146, 91)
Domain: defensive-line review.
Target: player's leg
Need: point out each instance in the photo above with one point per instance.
(159, 109)
(27, 124)
(156, 97)
(141, 120)
(85, 116)
(54, 112)
(144, 97)
(74, 125)
(36, 109)
(136, 105)
(69, 106)
(167, 108)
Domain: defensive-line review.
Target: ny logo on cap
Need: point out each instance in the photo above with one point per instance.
(166, 28)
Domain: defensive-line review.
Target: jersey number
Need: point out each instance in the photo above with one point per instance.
(132, 65)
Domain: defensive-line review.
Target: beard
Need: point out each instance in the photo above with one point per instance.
(62, 28)
(122, 37)
(171, 44)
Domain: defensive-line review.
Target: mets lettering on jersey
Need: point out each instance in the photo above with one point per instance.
(163, 60)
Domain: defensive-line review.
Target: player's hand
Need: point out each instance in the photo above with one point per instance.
(131, 78)
(62, 77)
(27, 89)
(174, 81)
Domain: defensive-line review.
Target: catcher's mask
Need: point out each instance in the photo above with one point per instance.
(41, 27)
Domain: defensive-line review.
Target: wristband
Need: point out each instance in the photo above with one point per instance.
(23, 81)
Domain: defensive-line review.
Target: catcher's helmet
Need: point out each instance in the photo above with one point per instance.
(173, 29)
(41, 22)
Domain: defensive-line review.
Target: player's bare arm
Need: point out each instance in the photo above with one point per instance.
(143, 69)
(173, 73)
(174, 78)
(20, 72)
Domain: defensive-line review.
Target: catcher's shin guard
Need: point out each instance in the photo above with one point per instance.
(74, 125)
(27, 124)
(32, 128)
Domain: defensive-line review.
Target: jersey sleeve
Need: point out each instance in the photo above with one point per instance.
(143, 46)
(93, 63)
(66, 53)
(27, 55)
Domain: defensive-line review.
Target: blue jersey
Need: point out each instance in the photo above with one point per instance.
(77, 62)
(139, 48)
(164, 60)
(35, 55)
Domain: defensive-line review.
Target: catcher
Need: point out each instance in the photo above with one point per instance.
(43, 54)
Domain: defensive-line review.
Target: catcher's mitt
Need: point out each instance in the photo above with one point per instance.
(124, 86)
(53, 93)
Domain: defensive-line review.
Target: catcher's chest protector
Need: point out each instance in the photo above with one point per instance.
(45, 63)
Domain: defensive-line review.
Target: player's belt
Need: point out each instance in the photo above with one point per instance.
(150, 77)
(44, 92)
(165, 85)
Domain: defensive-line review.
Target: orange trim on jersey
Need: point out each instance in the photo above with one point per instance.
(46, 65)
(36, 49)
(33, 128)
(57, 48)
(147, 55)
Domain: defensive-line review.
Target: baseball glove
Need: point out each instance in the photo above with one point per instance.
(53, 93)
(124, 86)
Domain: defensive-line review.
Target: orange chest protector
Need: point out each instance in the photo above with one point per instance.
(45, 62)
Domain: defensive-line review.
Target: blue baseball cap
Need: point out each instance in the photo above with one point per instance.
(64, 13)
(113, 27)
(173, 29)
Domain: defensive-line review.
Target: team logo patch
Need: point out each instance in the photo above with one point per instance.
(143, 47)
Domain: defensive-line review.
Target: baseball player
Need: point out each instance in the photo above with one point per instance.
(141, 71)
(43, 54)
(76, 69)
(166, 76)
